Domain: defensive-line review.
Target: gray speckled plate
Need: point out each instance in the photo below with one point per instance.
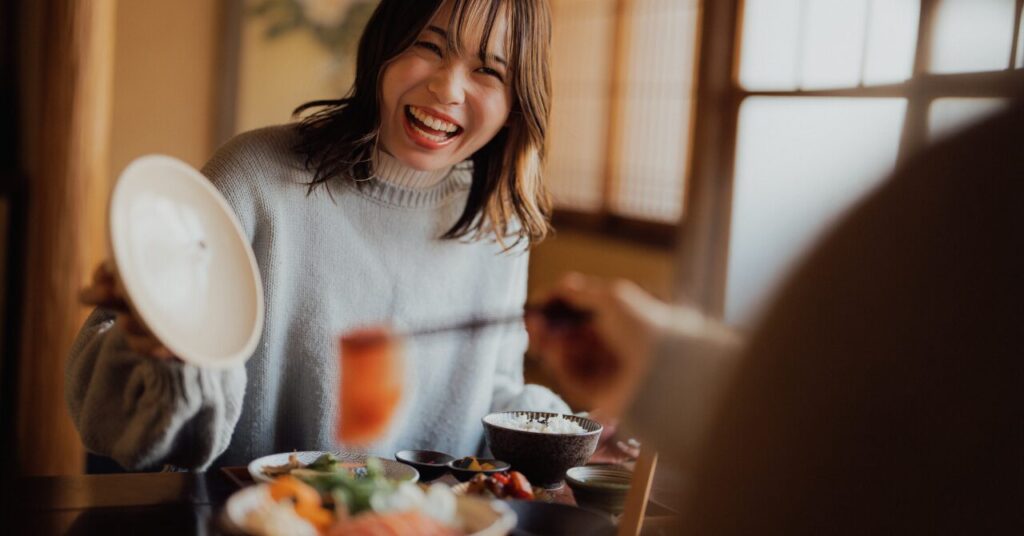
(392, 470)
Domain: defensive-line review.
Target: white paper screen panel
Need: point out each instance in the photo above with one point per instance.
(800, 164)
(657, 98)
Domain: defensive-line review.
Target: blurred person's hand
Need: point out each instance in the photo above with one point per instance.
(603, 361)
(612, 448)
(106, 291)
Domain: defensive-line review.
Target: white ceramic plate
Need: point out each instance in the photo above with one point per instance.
(186, 266)
(478, 516)
(392, 470)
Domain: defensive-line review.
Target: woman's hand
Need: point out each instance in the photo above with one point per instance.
(106, 291)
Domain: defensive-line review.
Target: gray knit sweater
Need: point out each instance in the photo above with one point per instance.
(368, 253)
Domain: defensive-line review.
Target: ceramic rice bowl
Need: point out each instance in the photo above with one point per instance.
(542, 457)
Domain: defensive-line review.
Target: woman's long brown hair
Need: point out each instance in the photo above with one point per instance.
(507, 199)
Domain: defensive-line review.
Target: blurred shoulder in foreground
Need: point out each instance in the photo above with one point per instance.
(883, 392)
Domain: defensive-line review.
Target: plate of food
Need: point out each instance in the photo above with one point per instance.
(341, 503)
(314, 462)
(510, 485)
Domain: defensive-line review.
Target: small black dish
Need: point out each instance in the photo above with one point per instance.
(430, 464)
(600, 487)
(462, 473)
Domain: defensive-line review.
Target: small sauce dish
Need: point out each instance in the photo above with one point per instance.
(429, 463)
(460, 468)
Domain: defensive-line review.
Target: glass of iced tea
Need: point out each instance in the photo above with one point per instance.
(371, 383)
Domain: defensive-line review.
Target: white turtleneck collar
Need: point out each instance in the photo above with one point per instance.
(388, 169)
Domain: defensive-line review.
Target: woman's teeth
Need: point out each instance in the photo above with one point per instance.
(429, 136)
(433, 122)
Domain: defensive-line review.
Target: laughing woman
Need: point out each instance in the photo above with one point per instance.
(413, 200)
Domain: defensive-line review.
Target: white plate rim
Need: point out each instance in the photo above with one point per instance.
(258, 476)
(118, 237)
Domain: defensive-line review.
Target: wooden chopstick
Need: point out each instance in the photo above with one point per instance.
(556, 312)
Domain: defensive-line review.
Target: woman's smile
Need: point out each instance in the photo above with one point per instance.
(429, 128)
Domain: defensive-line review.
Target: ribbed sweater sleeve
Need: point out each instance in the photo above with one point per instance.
(143, 411)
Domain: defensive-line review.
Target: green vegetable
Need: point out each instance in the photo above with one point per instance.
(343, 487)
(326, 463)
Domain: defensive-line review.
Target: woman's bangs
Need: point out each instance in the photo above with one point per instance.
(480, 16)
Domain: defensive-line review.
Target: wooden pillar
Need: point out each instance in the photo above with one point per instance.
(703, 242)
(621, 38)
(67, 126)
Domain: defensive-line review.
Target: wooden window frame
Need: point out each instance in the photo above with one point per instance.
(703, 236)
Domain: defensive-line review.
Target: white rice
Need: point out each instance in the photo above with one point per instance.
(548, 425)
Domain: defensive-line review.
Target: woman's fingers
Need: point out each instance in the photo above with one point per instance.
(102, 296)
(103, 274)
(162, 352)
(103, 291)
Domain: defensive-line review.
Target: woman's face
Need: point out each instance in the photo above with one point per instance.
(439, 107)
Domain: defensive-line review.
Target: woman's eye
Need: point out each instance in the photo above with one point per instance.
(491, 72)
(431, 47)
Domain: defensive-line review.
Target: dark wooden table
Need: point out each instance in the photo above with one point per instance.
(131, 503)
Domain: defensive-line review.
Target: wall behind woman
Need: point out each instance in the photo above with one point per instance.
(164, 80)
(282, 63)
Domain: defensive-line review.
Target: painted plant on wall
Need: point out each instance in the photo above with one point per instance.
(336, 24)
(290, 52)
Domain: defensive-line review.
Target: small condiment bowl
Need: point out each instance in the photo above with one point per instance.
(429, 463)
(600, 487)
(462, 473)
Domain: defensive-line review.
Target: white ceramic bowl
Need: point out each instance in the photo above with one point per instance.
(186, 266)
